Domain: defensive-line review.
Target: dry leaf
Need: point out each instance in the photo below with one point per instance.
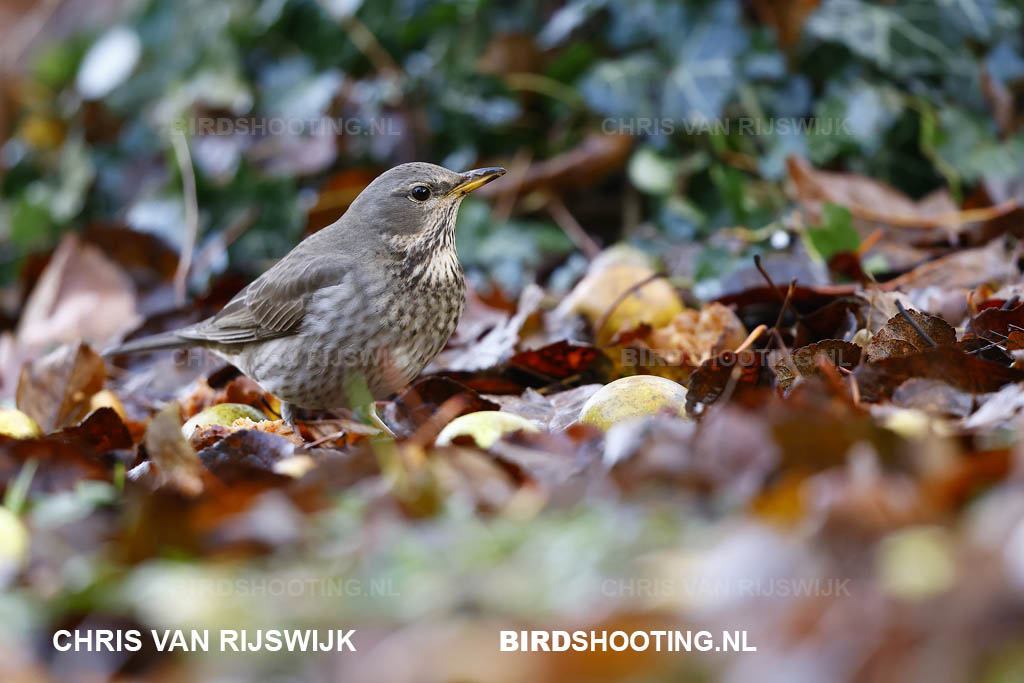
(80, 295)
(963, 371)
(899, 338)
(55, 391)
(839, 353)
(174, 460)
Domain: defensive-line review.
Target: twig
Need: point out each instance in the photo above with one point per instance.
(632, 289)
(506, 201)
(869, 241)
(545, 85)
(214, 248)
(785, 304)
(188, 186)
(784, 298)
(787, 356)
(767, 277)
(751, 338)
(950, 219)
(364, 40)
(573, 230)
(991, 345)
(913, 323)
(427, 431)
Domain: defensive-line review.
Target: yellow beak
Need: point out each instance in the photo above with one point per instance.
(477, 178)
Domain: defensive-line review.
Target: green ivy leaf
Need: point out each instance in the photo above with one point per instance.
(836, 235)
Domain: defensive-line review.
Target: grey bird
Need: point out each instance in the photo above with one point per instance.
(355, 311)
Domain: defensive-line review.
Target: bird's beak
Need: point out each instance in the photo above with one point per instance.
(476, 178)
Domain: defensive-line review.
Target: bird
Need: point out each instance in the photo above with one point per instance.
(356, 310)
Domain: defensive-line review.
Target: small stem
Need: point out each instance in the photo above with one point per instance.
(913, 323)
(188, 186)
(573, 230)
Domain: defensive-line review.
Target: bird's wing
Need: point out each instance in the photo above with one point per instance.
(274, 304)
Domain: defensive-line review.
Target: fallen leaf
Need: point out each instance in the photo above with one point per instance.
(877, 380)
(962, 269)
(998, 320)
(934, 397)
(63, 459)
(418, 403)
(232, 458)
(557, 361)
(898, 337)
(175, 461)
(727, 373)
(875, 201)
(80, 295)
(579, 168)
(839, 353)
(55, 391)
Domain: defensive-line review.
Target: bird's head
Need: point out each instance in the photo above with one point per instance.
(416, 204)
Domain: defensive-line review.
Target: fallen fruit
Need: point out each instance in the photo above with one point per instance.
(614, 274)
(18, 425)
(223, 414)
(632, 397)
(485, 427)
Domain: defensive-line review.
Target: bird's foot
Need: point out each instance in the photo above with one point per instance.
(288, 415)
(368, 415)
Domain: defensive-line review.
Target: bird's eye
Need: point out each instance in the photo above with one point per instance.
(421, 193)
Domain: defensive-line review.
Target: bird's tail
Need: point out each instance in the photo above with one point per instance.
(156, 342)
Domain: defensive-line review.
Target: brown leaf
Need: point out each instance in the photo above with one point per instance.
(866, 198)
(55, 390)
(147, 259)
(81, 294)
(997, 320)
(86, 451)
(761, 305)
(964, 268)
(878, 379)
(835, 351)
(579, 168)
(839, 319)
(933, 396)
(786, 17)
(511, 53)
(556, 361)
(418, 403)
(103, 431)
(962, 481)
(899, 338)
(726, 373)
(237, 455)
(174, 460)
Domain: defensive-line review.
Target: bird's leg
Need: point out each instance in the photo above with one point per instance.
(288, 415)
(367, 414)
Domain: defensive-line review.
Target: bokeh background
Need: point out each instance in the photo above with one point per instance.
(664, 124)
(918, 94)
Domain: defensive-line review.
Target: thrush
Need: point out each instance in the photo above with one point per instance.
(359, 307)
